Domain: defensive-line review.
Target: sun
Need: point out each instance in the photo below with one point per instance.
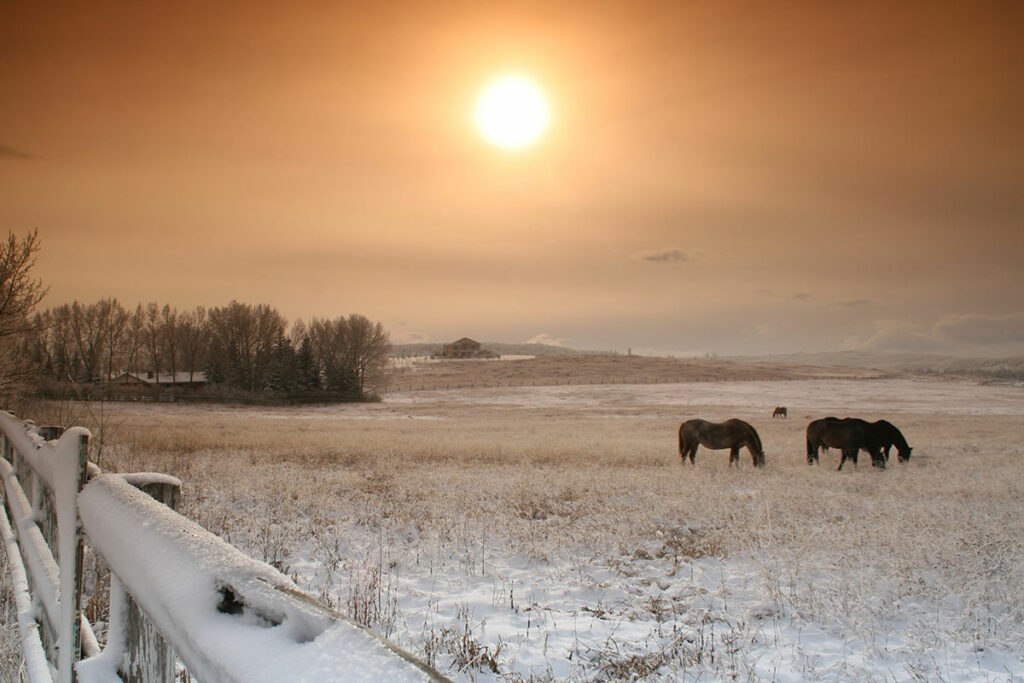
(512, 112)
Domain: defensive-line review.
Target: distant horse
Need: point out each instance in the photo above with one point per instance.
(886, 435)
(732, 434)
(850, 435)
(780, 411)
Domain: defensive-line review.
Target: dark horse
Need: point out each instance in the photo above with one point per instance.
(780, 411)
(850, 435)
(732, 434)
(886, 435)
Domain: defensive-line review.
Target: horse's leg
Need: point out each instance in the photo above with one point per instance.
(692, 452)
(848, 454)
(734, 456)
(878, 460)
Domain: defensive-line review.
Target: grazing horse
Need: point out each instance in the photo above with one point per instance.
(850, 435)
(780, 411)
(815, 430)
(732, 434)
(886, 435)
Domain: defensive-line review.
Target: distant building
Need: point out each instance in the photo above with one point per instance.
(185, 380)
(466, 348)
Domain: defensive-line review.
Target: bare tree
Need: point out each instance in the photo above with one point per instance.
(169, 320)
(369, 346)
(19, 295)
(350, 353)
(154, 339)
(88, 335)
(242, 342)
(116, 322)
(194, 334)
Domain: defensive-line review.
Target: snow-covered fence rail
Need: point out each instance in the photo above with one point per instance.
(177, 594)
(44, 543)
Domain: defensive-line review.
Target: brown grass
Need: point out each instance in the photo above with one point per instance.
(433, 481)
(601, 369)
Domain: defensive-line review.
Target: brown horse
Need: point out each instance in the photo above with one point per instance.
(850, 435)
(732, 434)
(780, 411)
(887, 435)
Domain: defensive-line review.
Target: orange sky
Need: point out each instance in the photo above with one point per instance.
(719, 177)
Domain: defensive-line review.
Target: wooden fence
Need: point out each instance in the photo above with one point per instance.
(182, 601)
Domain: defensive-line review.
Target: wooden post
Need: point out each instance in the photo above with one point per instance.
(148, 658)
(50, 432)
(75, 640)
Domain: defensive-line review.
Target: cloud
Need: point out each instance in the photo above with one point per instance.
(8, 152)
(984, 330)
(412, 338)
(547, 340)
(949, 333)
(895, 335)
(853, 303)
(803, 296)
(668, 255)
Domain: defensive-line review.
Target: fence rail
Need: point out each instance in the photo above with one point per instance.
(180, 596)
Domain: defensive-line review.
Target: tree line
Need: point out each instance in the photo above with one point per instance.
(245, 347)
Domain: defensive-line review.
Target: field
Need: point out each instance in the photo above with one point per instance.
(551, 533)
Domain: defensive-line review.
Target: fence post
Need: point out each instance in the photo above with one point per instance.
(75, 611)
(148, 658)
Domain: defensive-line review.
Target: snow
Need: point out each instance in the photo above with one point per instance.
(642, 612)
(61, 466)
(758, 616)
(822, 397)
(229, 617)
(37, 668)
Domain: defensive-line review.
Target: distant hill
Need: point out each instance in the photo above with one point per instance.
(996, 368)
(406, 350)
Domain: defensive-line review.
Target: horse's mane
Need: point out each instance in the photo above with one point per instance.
(899, 440)
(894, 432)
(756, 438)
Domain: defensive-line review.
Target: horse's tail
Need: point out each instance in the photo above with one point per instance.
(682, 442)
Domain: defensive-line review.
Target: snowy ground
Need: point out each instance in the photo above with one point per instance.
(552, 534)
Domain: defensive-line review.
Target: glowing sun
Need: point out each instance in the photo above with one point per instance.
(512, 112)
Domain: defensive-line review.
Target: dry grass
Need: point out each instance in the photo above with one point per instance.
(601, 369)
(437, 482)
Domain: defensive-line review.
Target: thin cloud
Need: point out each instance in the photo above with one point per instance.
(8, 152)
(547, 340)
(853, 303)
(896, 335)
(803, 296)
(983, 330)
(669, 255)
(949, 333)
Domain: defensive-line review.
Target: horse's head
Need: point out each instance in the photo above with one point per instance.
(903, 454)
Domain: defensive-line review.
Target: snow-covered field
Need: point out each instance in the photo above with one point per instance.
(553, 534)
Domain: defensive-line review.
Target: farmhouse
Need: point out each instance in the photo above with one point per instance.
(466, 348)
(186, 380)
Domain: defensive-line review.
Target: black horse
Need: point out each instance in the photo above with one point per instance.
(850, 435)
(732, 434)
(886, 435)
